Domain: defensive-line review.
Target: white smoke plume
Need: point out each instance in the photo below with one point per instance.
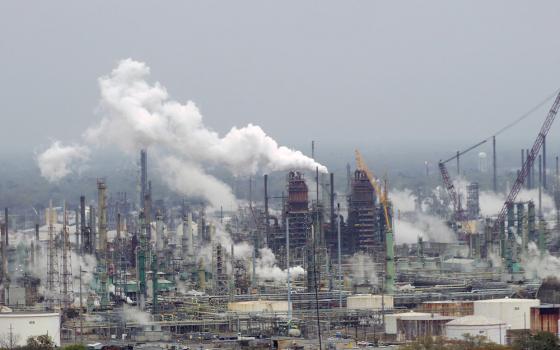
(267, 269)
(491, 203)
(180, 175)
(403, 200)
(58, 160)
(537, 266)
(363, 269)
(430, 228)
(137, 114)
(133, 315)
(266, 266)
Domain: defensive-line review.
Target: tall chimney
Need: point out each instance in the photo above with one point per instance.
(143, 176)
(118, 226)
(494, 165)
(266, 214)
(7, 225)
(529, 172)
(83, 222)
(333, 216)
(544, 163)
(101, 202)
(93, 228)
(148, 211)
(523, 161)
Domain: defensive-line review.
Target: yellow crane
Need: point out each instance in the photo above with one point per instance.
(384, 200)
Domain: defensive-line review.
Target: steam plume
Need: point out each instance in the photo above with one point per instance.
(59, 160)
(137, 114)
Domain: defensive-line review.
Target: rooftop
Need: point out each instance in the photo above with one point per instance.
(475, 320)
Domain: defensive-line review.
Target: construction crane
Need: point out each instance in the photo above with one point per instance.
(384, 200)
(527, 165)
(457, 208)
(459, 213)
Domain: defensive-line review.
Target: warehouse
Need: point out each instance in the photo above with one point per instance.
(515, 312)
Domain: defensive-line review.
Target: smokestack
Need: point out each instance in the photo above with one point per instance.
(37, 233)
(148, 211)
(93, 228)
(557, 169)
(5, 279)
(6, 228)
(159, 231)
(348, 179)
(533, 172)
(83, 222)
(494, 166)
(529, 172)
(313, 149)
(118, 226)
(101, 202)
(77, 224)
(544, 163)
(522, 161)
(266, 214)
(540, 184)
(458, 164)
(143, 176)
(333, 217)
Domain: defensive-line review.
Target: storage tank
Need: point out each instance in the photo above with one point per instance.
(369, 302)
(515, 312)
(30, 324)
(259, 306)
(491, 328)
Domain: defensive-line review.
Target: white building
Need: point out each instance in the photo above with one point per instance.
(21, 325)
(516, 313)
(493, 329)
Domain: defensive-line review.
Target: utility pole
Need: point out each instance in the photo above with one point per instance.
(495, 182)
(339, 257)
(81, 310)
(288, 268)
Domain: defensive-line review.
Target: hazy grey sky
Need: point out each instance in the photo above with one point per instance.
(364, 73)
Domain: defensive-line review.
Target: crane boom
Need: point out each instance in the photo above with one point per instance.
(527, 164)
(459, 213)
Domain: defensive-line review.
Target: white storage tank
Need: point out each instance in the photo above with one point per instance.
(259, 306)
(516, 313)
(369, 302)
(494, 330)
(29, 324)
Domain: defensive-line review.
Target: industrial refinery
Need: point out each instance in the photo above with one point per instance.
(354, 176)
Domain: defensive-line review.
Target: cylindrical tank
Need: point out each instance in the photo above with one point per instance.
(494, 330)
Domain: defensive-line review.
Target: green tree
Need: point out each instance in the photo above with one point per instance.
(539, 341)
(40, 342)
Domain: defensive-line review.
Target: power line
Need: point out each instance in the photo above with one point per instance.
(508, 126)
(526, 114)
